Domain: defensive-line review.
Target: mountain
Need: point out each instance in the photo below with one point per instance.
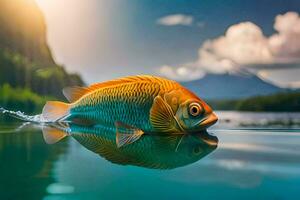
(26, 61)
(230, 86)
(23, 31)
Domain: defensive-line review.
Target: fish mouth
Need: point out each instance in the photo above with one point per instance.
(208, 121)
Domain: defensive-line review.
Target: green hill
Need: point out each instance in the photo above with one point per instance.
(26, 62)
(18, 71)
(23, 31)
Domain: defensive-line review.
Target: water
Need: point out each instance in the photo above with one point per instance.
(257, 156)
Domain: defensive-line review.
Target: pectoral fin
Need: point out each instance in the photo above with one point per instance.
(162, 117)
(126, 134)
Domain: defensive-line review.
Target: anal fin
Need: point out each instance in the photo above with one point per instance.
(126, 134)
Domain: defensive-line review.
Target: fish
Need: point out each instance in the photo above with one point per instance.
(153, 151)
(133, 106)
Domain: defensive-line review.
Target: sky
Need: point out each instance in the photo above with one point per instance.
(179, 39)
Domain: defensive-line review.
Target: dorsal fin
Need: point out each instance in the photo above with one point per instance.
(128, 79)
(75, 93)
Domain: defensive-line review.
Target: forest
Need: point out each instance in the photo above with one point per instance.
(280, 102)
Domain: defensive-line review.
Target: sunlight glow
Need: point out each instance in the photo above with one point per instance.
(42, 3)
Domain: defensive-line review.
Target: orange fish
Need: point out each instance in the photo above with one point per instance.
(132, 106)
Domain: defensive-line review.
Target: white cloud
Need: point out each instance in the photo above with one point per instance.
(176, 19)
(244, 44)
(285, 45)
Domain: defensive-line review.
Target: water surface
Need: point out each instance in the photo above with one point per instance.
(257, 156)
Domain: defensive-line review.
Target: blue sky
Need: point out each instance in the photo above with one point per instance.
(107, 39)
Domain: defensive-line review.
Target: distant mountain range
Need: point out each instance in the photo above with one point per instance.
(231, 86)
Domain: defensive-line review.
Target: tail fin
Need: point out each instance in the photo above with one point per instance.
(53, 135)
(55, 110)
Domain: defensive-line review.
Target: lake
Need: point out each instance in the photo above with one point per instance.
(244, 156)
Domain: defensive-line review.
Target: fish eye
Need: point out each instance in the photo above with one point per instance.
(195, 109)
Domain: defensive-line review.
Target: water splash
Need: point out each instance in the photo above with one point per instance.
(22, 116)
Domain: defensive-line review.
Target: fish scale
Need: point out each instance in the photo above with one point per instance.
(129, 103)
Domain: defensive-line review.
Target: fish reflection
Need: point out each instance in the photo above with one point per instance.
(150, 151)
